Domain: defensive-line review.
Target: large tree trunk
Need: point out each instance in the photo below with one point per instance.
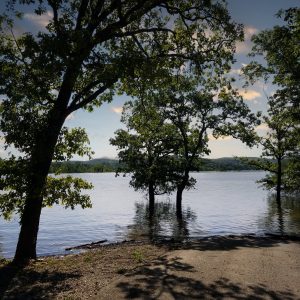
(40, 162)
(37, 174)
(151, 199)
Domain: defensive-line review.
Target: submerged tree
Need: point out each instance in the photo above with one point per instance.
(145, 148)
(278, 144)
(188, 108)
(86, 50)
(281, 50)
(154, 227)
(197, 110)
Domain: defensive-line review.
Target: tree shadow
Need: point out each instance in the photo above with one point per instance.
(232, 242)
(165, 276)
(7, 274)
(20, 282)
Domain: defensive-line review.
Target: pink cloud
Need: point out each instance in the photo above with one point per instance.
(117, 109)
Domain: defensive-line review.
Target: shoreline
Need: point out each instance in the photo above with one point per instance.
(127, 270)
(165, 241)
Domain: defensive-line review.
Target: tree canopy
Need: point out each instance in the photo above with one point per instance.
(170, 123)
(87, 51)
(280, 48)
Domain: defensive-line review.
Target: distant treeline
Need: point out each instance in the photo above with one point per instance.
(101, 165)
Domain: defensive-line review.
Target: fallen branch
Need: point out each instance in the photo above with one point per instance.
(87, 246)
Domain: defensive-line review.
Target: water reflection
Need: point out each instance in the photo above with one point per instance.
(164, 224)
(282, 216)
(225, 203)
(1, 249)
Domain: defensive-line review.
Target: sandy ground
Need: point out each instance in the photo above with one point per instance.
(214, 268)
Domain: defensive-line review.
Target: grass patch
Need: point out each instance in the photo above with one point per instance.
(138, 256)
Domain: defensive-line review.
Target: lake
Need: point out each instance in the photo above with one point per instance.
(222, 203)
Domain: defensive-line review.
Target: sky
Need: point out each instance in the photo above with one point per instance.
(255, 15)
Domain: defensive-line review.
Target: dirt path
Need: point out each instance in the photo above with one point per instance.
(214, 268)
(244, 273)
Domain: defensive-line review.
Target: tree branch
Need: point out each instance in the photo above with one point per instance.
(84, 91)
(82, 10)
(140, 46)
(74, 106)
(55, 16)
(144, 30)
(130, 16)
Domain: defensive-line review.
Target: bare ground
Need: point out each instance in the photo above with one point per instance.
(212, 268)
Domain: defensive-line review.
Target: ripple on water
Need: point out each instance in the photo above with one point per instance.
(222, 203)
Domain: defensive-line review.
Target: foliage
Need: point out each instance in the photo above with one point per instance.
(173, 123)
(281, 50)
(278, 144)
(86, 51)
(12, 185)
(292, 175)
(14, 182)
(198, 111)
(70, 142)
(58, 190)
(66, 191)
(145, 147)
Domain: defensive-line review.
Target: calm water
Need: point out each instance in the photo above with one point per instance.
(222, 203)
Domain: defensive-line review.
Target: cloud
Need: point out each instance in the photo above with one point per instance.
(262, 127)
(117, 109)
(42, 20)
(249, 94)
(238, 71)
(246, 45)
(235, 71)
(249, 31)
(243, 47)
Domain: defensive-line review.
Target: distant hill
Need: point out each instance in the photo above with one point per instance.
(225, 164)
(99, 165)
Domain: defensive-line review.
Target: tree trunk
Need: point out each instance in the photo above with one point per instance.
(151, 199)
(179, 201)
(279, 179)
(180, 188)
(37, 174)
(40, 161)
(280, 217)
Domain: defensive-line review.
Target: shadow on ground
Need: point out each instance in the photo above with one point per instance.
(166, 278)
(230, 242)
(25, 283)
